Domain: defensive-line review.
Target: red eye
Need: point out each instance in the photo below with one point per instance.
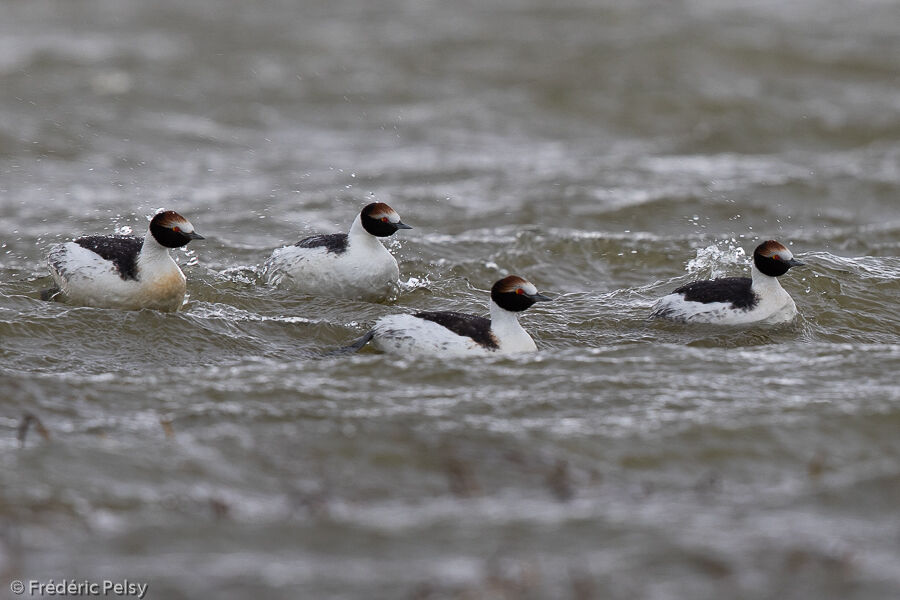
(776, 257)
(520, 291)
(176, 229)
(384, 219)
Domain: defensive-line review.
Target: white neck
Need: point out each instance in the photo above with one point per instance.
(152, 251)
(358, 236)
(509, 332)
(763, 283)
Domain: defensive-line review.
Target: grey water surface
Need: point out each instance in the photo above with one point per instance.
(607, 151)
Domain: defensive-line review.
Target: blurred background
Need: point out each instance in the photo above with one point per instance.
(608, 151)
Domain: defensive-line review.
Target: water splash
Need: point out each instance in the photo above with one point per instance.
(717, 259)
(191, 256)
(243, 274)
(414, 283)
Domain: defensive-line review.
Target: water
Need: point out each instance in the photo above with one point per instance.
(607, 151)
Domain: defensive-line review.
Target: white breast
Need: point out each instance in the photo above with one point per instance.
(775, 305)
(509, 333)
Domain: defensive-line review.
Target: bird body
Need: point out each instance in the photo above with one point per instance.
(736, 300)
(448, 333)
(345, 265)
(127, 272)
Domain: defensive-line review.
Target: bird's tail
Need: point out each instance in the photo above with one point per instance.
(354, 347)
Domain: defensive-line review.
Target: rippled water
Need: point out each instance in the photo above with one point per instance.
(607, 151)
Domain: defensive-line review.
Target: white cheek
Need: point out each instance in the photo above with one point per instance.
(186, 227)
(786, 254)
(394, 218)
(529, 289)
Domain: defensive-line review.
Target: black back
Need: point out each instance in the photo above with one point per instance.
(121, 250)
(735, 290)
(332, 242)
(477, 328)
